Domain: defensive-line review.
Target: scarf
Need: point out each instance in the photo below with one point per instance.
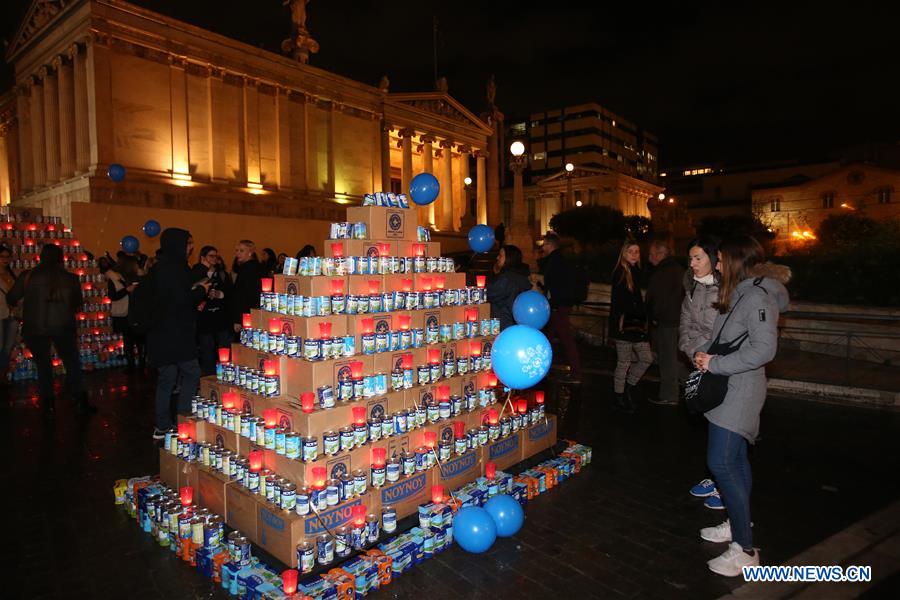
(706, 280)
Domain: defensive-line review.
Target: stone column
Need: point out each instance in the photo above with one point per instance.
(26, 159)
(406, 166)
(493, 174)
(250, 132)
(179, 116)
(283, 144)
(447, 195)
(385, 148)
(481, 194)
(51, 123)
(100, 105)
(463, 206)
(66, 117)
(38, 141)
(80, 108)
(519, 229)
(428, 167)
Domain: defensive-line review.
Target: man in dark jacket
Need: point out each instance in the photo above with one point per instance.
(560, 290)
(665, 291)
(213, 324)
(172, 340)
(52, 297)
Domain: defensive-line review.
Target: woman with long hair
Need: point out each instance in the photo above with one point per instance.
(751, 298)
(268, 260)
(511, 280)
(121, 280)
(9, 324)
(306, 251)
(628, 327)
(247, 273)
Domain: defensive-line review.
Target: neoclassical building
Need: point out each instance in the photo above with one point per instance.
(218, 136)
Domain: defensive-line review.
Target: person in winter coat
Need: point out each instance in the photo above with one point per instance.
(751, 298)
(121, 281)
(511, 280)
(51, 298)
(698, 313)
(247, 274)
(664, 293)
(559, 285)
(628, 328)
(213, 325)
(9, 325)
(172, 340)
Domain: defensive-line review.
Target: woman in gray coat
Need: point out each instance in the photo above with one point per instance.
(751, 297)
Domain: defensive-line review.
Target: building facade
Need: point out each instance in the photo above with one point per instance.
(218, 136)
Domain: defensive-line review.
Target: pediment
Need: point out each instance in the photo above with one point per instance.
(41, 14)
(578, 173)
(440, 104)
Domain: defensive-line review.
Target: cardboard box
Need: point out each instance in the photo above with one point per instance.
(385, 223)
(307, 285)
(340, 464)
(230, 440)
(424, 281)
(209, 386)
(279, 532)
(291, 417)
(406, 494)
(539, 437)
(385, 362)
(240, 509)
(358, 285)
(300, 375)
(304, 327)
(458, 471)
(504, 452)
(188, 473)
(210, 490)
(168, 468)
(369, 247)
(382, 323)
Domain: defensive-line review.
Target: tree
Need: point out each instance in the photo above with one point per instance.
(639, 228)
(847, 230)
(590, 225)
(731, 225)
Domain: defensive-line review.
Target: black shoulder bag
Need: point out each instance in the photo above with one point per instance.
(703, 390)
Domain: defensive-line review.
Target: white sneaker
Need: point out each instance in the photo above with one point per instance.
(717, 534)
(731, 562)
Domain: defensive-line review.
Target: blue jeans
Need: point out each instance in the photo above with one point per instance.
(165, 385)
(726, 456)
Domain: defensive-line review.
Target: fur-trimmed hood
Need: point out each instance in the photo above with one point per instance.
(770, 279)
(780, 273)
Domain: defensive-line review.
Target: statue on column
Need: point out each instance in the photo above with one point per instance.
(441, 85)
(491, 93)
(384, 86)
(300, 45)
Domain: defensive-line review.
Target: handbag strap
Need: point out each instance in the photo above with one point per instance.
(725, 322)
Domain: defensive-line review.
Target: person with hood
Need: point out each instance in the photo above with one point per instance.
(751, 298)
(172, 340)
(511, 280)
(559, 285)
(664, 294)
(51, 299)
(213, 326)
(247, 274)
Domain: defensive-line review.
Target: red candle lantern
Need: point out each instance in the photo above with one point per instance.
(230, 400)
(439, 282)
(437, 494)
(471, 314)
(256, 460)
(270, 367)
(356, 369)
(425, 283)
(431, 439)
(289, 581)
(270, 416)
(337, 287)
(82, 317)
(266, 283)
(359, 515)
(187, 495)
(480, 280)
(95, 331)
(337, 249)
(493, 417)
(406, 362)
(490, 470)
(475, 348)
(367, 325)
(274, 326)
(384, 249)
(87, 286)
(418, 249)
(79, 272)
(247, 321)
(492, 379)
(374, 284)
(185, 431)
(443, 392)
(379, 457)
(224, 355)
(459, 429)
(318, 477)
(325, 329)
(107, 300)
(359, 415)
(307, 402)
(522, 405)
(404, 322)
(406, 284)
(539, 397)
(434, 356)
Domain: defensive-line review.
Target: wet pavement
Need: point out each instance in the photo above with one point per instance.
(625, 527)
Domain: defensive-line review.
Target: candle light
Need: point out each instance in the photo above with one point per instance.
(274, 326)
(425, 283)
(356, 369)
(480, 280)
(229, 400)
(270, 367)
(522, 405)
(247, 321)
(459, 429)
(418, 249)
(475, 349)
(431, 439)
(318, 477)
(406, 284)
(490, 470)
(337, 249)
(493, 417)
(224, 355)
(307, 402)
(359, 415)
(325, 329)
(359, 515)
(492, 379)
(384, 249)
(256, 460)
(185, 431)
(439, 281)
(289, 581)
(379, 456)
(374, 284)
(337, 287)
(107, 300)
(406, 362)
(404, 322)
(443, 392)
(471, 314)
(434, 356)
(186, 494)
(266, 283)
(270, 416)
(367, 325)
(437, 494)
(82, 317)
(539, 397)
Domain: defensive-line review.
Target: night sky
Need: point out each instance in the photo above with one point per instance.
(715, 81)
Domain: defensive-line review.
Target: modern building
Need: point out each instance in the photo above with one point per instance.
(586, 135)
(218, 136)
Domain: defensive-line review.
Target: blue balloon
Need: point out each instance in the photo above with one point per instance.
(521, 356)
(152, 228)
(474, 529)
(481, 238)
(507, 514)
(424, 188)
(532, 309)
(116, 172)
(130, 244)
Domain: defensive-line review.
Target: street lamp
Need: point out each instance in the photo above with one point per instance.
(467, 180)
(569, 167)
(661, 196)
(578, 203)
(517, 149)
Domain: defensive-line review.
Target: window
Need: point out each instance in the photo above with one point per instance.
(828, 200)
(775, 205)
(884, 196)
(540, 156)
(517, 129)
